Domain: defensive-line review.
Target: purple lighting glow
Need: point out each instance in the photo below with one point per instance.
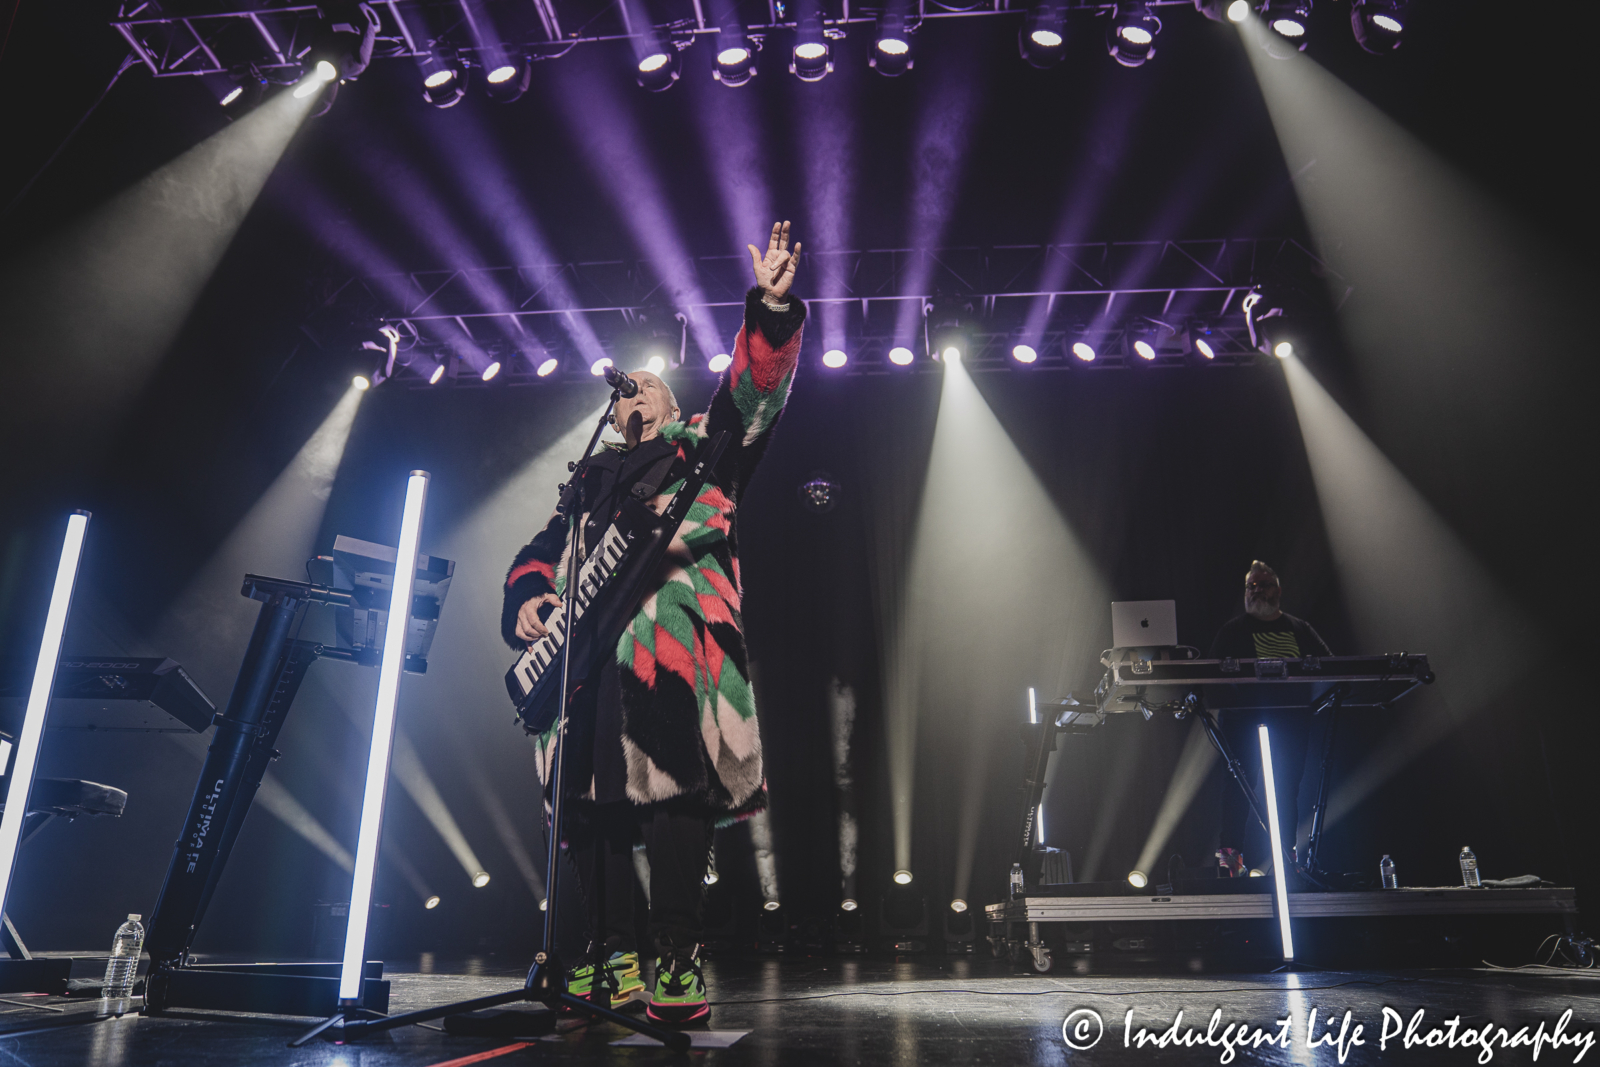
(653, 62)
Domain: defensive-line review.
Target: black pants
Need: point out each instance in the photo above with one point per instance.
(677, 842)
(1290, 733)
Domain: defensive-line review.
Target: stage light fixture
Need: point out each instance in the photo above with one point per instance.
(548, 367)
(361, 383)
(1239, 10)
(239, 90)
(891, 46)
(431, 903)
(719, 362)
(598, 367)
(1202, 346)
(1268, 313)
(834, 358)
(659, 67)
(1142, 347)
(317, 76)
(507, 79)
(736, 56)
(1024, 354)
(480, 879)
(1378, 24)
(1280, 883)
(848, 905)
(1042, 40)
(712, 877)
(770, 905)
(438, 373)
(444, 80)
(378, 754)
(655, 365)
(811, 60)
(1084, 351)
(1131, 39)
(1283, 349)
(902, 877)
(900, 355)
(1138, 879)
(1218, 10)
(1288, 20)
(490, 371)
(26, 758)
(950, 354)
(958, 905)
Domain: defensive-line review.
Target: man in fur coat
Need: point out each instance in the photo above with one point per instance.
(663, 738)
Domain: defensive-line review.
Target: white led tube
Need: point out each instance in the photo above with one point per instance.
(26, 757)
(394, 653)
(1280, 883)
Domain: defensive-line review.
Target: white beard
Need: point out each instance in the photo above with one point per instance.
(1261, 608)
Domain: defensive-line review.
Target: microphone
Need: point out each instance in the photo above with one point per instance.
(624, 385)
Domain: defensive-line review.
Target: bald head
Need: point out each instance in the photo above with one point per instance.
(641, 416)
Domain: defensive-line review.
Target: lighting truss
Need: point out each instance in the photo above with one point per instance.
(1060, 293)
(274, 38)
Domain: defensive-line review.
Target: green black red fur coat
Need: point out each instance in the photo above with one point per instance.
(688, 711)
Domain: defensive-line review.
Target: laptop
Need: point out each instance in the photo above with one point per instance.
(1144, 623)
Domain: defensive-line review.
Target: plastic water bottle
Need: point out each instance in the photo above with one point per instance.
(1016, 880)
(1386, 872)
(1469, 869)
(122, 966)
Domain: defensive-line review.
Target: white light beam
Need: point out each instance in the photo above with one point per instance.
(1280, 882)
(44, 678)
(394, 653)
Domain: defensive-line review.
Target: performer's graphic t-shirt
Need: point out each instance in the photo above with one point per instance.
(1286, 637)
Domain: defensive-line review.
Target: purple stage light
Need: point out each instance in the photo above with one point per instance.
(490, 371)
(900, 356)
(720, 362)
(939, 154)
(605, 130)
(834, 358)
(548, 367)
(736, 56)
(1041, 39)
(1024, 354)
(891, 46)
(598, 367)
(734, 145)
(503, 73)
(1239, 10)
(1132, 37)
(811, 60)
(1084, 351)
(1202, 346)
(361, 383)
(1143, 348)
(438, 373)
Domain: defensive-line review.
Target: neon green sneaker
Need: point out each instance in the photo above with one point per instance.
(620, 974)
(680, 992)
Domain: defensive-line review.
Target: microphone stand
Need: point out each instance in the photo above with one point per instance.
(547, 979)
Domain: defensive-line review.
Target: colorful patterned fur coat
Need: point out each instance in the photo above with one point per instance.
(688, 711)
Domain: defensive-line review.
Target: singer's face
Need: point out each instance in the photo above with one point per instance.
(640, 417)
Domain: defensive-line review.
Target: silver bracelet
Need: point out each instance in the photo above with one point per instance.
(775, 307)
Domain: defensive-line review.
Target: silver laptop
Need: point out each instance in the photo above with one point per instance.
(1144, 623)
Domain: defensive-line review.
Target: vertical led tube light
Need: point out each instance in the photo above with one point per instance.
(44, 677)
(1033, 708)
(394, 655)
(1280, 883)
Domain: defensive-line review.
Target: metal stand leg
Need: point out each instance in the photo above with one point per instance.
(1331, 704)
(1235, 768)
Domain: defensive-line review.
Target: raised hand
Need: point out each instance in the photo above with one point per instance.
(775, 271)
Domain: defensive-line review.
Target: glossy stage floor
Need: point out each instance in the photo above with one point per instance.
(911, 1010)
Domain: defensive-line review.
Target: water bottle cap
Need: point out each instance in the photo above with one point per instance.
(134, 917)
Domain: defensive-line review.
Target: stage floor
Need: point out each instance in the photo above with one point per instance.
(885, 1011)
